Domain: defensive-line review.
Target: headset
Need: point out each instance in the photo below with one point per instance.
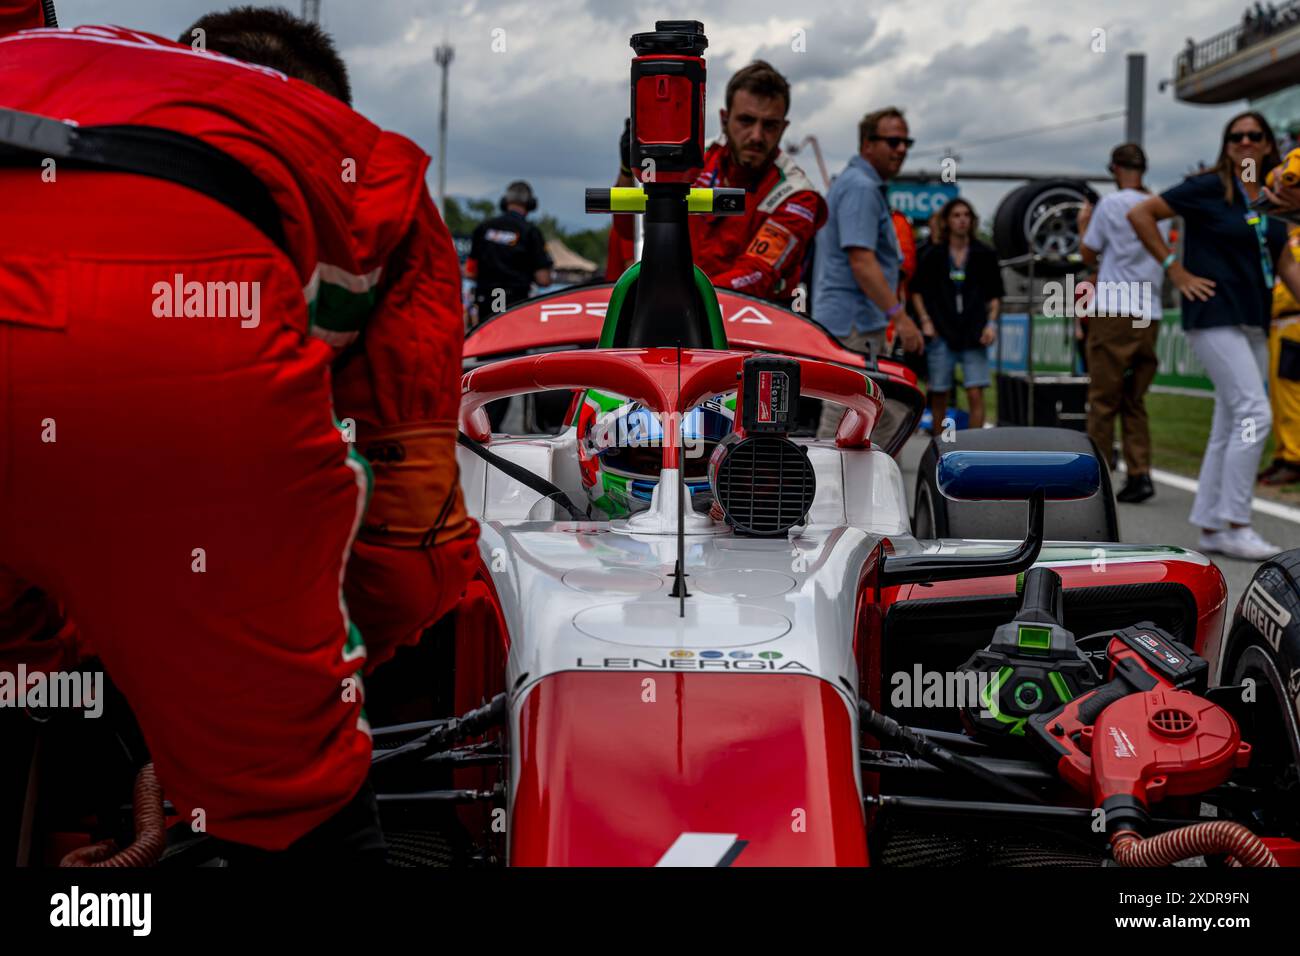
(519, 192)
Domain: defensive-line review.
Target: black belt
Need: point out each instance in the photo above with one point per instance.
(26, 139)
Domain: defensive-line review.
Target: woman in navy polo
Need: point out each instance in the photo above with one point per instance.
(1232, 256)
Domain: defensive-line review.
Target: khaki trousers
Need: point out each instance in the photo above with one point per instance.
(1122, 364)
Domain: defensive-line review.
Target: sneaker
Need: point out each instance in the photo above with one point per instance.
(1245, 543)
(1137, 488)
(1208, 542)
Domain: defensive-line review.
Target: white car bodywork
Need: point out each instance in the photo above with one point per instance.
(595, 595)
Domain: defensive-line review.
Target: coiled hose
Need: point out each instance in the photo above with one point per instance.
(1200, 839)
(150, 831)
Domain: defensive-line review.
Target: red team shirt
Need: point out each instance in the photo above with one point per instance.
(760, 253)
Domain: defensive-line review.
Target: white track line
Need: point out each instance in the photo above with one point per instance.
(1262, 505)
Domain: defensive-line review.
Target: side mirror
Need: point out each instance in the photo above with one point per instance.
(1017, 475)
(1033, 476)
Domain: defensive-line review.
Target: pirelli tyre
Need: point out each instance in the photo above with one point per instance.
(1262, 654)
(935, 516)
(1049, 210)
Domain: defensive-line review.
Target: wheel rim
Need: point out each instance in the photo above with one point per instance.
(1051, 224)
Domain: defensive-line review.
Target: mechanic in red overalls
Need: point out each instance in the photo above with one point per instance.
(182, 381)
(762, 252)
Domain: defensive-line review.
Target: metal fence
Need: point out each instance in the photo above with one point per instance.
(1221, 46)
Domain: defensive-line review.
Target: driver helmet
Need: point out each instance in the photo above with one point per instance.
(620, 449)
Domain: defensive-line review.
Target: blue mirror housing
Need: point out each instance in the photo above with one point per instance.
(1016, 475)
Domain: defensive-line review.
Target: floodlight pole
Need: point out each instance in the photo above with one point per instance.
(1135, 98)
(443, 55)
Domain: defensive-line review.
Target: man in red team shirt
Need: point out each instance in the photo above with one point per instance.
(210, 412)
(762, 252)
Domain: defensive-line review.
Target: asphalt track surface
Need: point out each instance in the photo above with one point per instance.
(1163, 520)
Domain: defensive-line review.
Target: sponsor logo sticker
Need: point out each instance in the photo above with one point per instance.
(1265, 614)
(1123, 746)
(701, 663)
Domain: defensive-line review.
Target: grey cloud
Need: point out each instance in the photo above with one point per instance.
(830, 47)
(1005, 54)
(552, 108)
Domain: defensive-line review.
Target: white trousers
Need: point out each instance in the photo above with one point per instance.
(1236, 359)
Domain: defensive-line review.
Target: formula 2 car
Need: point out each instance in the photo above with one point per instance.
(763, 665)
(761, 662)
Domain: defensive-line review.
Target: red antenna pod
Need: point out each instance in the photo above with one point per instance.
(668, 75)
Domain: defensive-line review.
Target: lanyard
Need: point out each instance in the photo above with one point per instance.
(957, 274)
(1259, 222)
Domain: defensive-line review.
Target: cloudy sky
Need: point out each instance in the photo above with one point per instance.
(550, 106)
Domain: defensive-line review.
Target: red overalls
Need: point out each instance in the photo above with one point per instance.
(171, 468)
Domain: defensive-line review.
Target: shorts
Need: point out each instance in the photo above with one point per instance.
(942, 359)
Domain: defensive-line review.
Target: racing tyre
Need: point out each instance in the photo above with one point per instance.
(1269, 723)
(935, 516)
(1034, 206)
(1264, 645)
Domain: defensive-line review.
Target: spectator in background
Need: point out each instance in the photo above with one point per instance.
(910, 253)
(1284, 380)
(856, 274)
(508, 254)
(1123, 329)
(906, 251)
(1232, 254)
(957, 293)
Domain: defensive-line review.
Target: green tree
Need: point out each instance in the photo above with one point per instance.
(463, 215)
(588, 243)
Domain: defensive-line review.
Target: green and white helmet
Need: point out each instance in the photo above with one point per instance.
(620, 449)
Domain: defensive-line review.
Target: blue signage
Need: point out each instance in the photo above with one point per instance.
(1014, 344)
(919, 201)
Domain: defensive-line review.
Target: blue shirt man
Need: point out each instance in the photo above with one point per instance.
(855, 281)
(858, 218)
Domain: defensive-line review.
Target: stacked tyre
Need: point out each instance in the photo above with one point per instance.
(1048, 211)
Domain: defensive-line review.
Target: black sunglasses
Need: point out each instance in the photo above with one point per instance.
(1255, 136)
(894, 141)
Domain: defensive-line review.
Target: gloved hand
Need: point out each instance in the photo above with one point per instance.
(394, 594)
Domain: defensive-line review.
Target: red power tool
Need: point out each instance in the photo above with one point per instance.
(1146, 734)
